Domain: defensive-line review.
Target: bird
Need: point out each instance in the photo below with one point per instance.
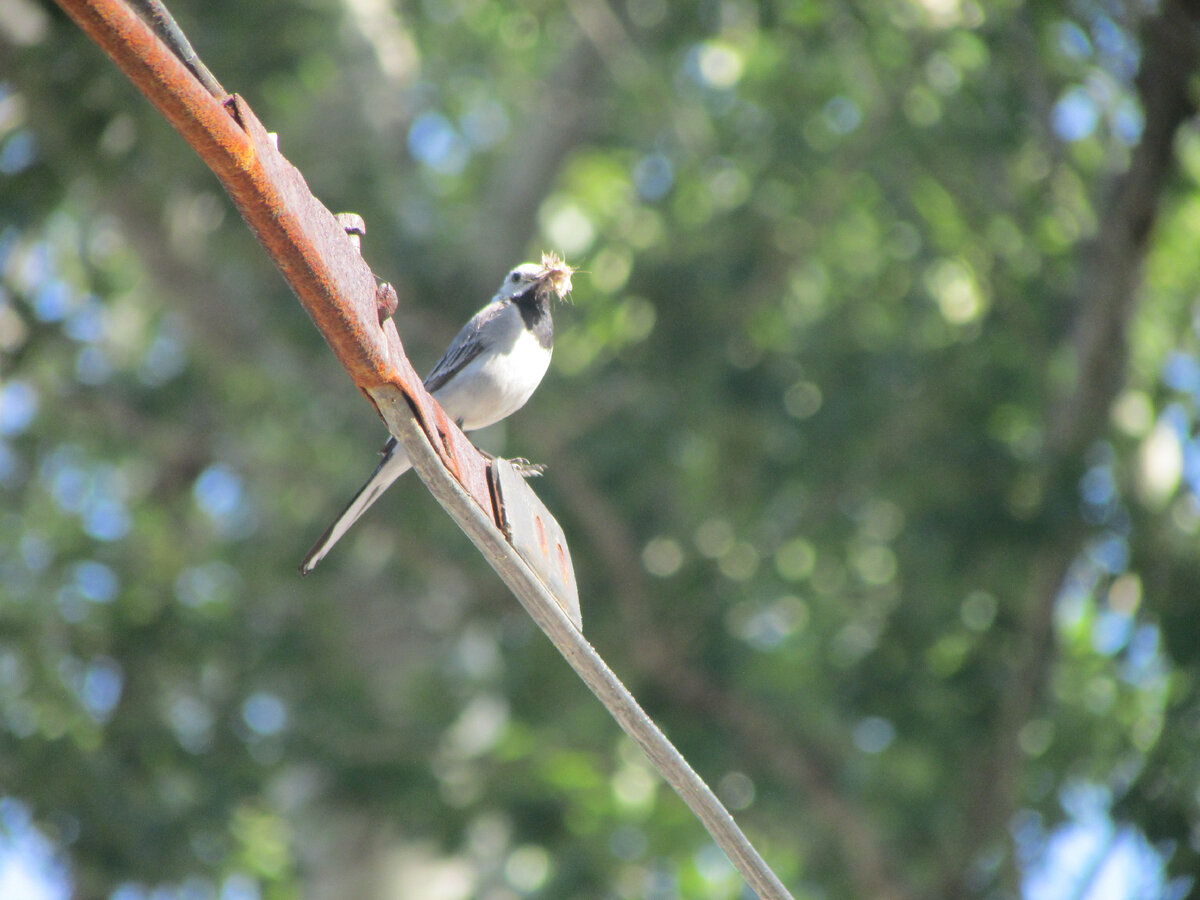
(489, 371)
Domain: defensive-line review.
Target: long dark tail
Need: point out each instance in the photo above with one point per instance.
(394, 464)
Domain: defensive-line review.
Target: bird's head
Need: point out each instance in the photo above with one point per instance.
(551, 275)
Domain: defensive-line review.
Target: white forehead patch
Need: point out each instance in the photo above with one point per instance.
(519, 277)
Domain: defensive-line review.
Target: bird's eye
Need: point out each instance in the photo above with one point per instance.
(514, 277)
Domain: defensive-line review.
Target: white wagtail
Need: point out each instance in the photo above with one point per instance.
(487, 373)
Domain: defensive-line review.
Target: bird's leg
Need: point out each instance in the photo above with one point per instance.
(523, 467)
(527, 469)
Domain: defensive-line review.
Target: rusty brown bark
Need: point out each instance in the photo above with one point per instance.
(310, 247)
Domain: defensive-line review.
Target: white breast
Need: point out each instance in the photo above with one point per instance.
(496, 383)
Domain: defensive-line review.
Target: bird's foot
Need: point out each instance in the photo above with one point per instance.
(527, 469)
(524, 467)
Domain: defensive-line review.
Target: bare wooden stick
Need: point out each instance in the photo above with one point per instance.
(339, 292)
(570, 642)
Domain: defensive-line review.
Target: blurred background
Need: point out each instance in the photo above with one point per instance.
(873, 429)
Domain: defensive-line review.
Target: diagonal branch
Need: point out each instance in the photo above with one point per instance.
(338, 291)
(1108, 296)
(1113, 269)
(758, 732)
(550, 617)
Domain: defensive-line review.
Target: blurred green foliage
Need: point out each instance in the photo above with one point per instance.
(797, 431)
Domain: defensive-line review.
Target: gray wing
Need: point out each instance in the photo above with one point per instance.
(467, 345)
